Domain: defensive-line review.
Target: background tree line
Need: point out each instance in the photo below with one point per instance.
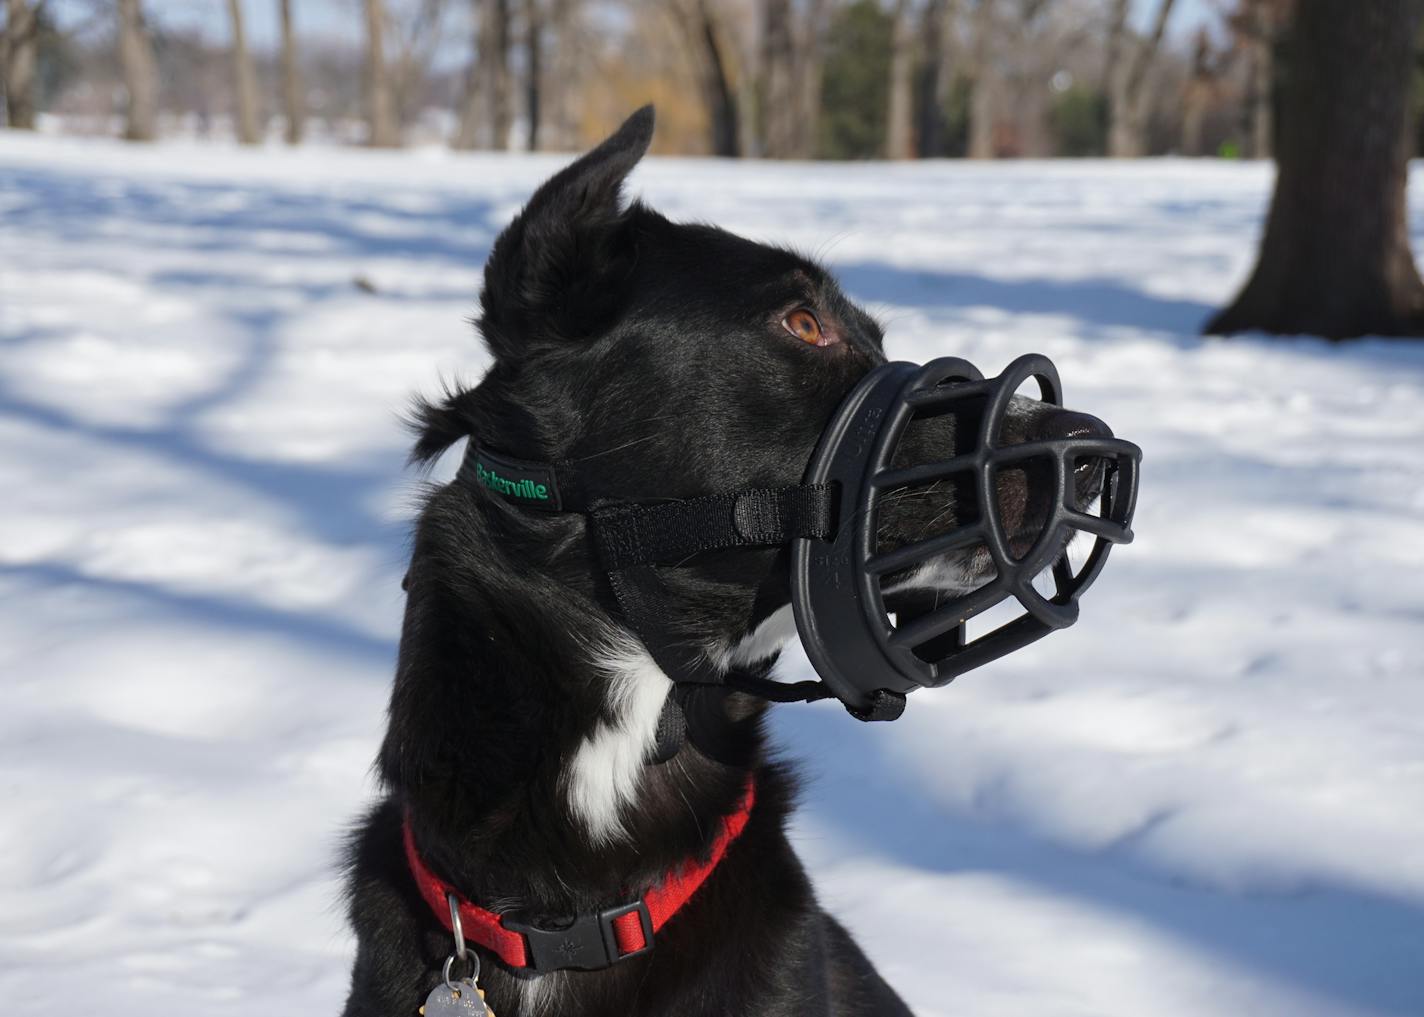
(1329, 87)
(838, 79)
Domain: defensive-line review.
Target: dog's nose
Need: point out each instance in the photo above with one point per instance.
(1088, 471)
(1061, 423)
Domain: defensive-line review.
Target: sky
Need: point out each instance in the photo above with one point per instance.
(341, 18)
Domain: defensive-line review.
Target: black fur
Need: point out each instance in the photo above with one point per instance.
(653, 352)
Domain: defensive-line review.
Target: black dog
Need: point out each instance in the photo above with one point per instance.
(677, 361)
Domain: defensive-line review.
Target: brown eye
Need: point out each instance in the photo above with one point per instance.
(803, 325)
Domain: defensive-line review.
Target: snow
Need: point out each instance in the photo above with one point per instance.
(1206, 798)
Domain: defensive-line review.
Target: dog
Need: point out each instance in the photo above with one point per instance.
(674, 360)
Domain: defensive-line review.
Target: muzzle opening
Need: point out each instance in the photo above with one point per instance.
(934, 629)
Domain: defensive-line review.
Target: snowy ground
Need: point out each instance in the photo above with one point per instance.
(1206, 799)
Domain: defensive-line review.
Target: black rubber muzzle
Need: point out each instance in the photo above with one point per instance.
(871, 619)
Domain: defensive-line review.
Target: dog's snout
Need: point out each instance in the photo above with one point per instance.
(1070, 424)
(1088, 470)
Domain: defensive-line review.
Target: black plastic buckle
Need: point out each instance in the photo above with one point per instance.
(587, 943)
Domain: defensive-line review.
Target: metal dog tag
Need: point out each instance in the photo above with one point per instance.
(463, 1000)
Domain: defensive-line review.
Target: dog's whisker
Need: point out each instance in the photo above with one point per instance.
(928, 528)
(626, 444)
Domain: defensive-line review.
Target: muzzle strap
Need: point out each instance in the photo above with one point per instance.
(633, 539)
(668, 533)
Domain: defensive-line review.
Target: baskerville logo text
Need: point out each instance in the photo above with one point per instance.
(526, 489)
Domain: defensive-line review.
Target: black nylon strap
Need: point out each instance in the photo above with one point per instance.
(672, 731)
(661, 533)
(644, 598)
(632, 540)
(809, 691)
(670, 532)
(518, 480)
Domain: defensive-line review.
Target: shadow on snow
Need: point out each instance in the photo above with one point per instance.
(1339, 941)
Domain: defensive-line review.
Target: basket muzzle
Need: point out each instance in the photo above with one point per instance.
(865, 624)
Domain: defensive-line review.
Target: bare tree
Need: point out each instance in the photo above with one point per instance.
(781, 98)
(140, 74)
(533, 69)
(810, 61)
(1256, 24)
(1128, 102)
(243, 81)
(702, 31)
(494, 64)
(17, 58)
(1335, 258)
(381, 128)
(775, 95)
(1040, 42)
(1112, 52)
(292, 99)
(936, 32)
(561, 74)
(986, 83)
(487, 83)
(1197, 95)
(467, 132)
(716, 82)
(416, 36)
(750, 52)
(495, 86)
(899, 127)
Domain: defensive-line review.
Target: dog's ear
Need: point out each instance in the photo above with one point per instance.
(557, 271)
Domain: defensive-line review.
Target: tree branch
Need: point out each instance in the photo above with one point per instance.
(1143, 59)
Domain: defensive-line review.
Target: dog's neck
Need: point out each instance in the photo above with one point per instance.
(523, 719)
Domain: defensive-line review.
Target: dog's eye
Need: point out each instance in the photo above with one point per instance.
(804, 326)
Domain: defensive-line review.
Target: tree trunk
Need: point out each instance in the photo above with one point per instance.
(467, 133)
(21, 42)
(292, 99)
(140, 75)
(776, 95)
(1335, 258)
(932, 89)
(1262, 81)
(1127, 126)
(899, 126)
(492, 68)
(810, 66)
(1129, 107)
(717, 91)
(773, 97)
(533, 64)
(382, 131)
(984, 100)
(1197, 95)
(1112, 60)
(245, 84)
(561, 78)
(751, 92)
(1113, 69)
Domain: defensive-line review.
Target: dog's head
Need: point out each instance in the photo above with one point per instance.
(679, 360)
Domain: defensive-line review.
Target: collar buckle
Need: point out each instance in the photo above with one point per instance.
(588, 943)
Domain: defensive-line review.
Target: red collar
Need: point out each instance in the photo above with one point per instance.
(590, 941)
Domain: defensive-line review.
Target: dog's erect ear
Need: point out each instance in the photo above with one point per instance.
(557, 271)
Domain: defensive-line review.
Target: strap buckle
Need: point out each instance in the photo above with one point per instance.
(587, 943)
